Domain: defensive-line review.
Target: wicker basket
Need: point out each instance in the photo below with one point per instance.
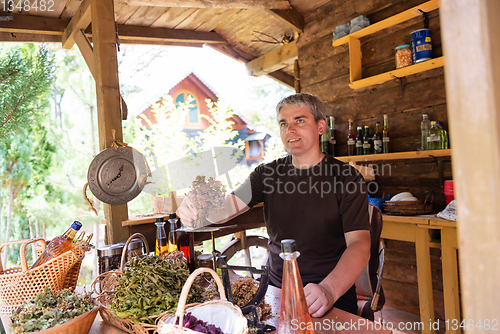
(103, 287)
(77, 325)
(220, 313)
(19, 284)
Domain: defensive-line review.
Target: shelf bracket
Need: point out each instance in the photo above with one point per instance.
(402, 84)
(354, 59)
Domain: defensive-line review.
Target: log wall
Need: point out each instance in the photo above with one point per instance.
(324, 71)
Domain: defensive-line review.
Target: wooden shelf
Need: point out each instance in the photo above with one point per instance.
(396, 156)
(355, 72)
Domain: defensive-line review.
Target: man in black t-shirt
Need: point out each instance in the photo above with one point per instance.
(312, 198)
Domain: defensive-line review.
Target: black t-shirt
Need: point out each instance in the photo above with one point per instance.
(313, 206)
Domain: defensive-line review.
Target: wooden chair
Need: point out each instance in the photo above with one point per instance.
(369, 290)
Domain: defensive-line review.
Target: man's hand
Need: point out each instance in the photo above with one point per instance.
(319, 299)
(187, 212)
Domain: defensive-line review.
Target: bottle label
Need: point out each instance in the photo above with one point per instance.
(351, 141)
(333, 141)
(386, 139)
(359, 143)
(377, 145)
(433, 138)
(366, 145)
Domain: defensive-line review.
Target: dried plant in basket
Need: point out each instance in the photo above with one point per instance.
(207, 197)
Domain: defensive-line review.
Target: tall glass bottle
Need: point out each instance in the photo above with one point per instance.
(444, 137)
(185, 243)
(351, 139)
(425, 126)
(333, 142)
(385, 136)
(359, 142)
(434, 141)
(293, 301)
(172, 241)
(59, 245)
(367, 146)
(161, 248)
(377, 139)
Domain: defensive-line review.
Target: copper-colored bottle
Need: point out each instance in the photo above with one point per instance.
(294, 315)
(59, 245)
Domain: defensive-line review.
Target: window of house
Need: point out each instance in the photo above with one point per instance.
(193, 110)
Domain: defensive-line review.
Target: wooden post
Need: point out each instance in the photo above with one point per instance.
(470, 30)
(108, 101)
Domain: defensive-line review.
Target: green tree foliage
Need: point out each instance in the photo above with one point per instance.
(26, 75)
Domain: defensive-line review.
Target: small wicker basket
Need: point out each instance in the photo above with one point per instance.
(19, 284)
(220, 313)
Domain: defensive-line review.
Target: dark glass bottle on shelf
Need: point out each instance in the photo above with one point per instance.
(161, 248)
(185, 242)
(59, 245)
(367, 146)
(351, 139)
(385, 136)
(332, 142)
(359, 142)
(293, 302)
(377, 139)
(324, 140)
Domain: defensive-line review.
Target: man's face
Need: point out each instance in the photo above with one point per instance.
(298, 129)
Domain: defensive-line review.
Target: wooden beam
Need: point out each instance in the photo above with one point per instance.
(473, 101)
(290, 17)
(283, 78)
(138, 33)
(86, 50)
(32, 25)
(229, 51)
(108, 101)
(80, 21)
(245, 4)
(28, 38)
(274, 60)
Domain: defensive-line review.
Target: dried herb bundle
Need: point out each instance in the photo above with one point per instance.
(49, 309)
(207, 197)
(150, 286)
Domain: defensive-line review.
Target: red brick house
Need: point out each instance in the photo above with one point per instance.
(192, 88)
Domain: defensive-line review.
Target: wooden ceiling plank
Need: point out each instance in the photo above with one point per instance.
(70, 9)
(218, 19)
(127, 32)
(198, 17)
(290, 17)
(145, 16)
(80, 21)
(172, 17)
(274, 60)
(49, 8)
(124, 12)
(246, 4)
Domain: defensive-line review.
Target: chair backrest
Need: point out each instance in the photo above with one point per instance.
(367, 283)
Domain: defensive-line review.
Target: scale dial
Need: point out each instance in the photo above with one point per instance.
(116, 176)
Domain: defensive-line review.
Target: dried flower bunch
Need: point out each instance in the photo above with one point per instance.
(207, 198)
(49, 309)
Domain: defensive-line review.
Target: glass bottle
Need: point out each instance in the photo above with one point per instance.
(331, 144)
(161, 248)
(185, 243)
(351, 139)
(59, 245)
(367, 146)
(377, 139)
(434, 141)
(324, 140)
(385, 136)
(359, 142)
(293, 301)
(172, 242)
(425, 126)
(444, 136)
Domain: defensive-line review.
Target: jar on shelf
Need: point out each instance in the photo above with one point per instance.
(135, 248)
(109, 257)
(403, 56)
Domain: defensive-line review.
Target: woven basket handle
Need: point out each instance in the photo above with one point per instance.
(179, 313)
(124, 253)
(22, 251)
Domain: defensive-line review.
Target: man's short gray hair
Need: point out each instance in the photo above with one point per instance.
(304, 100)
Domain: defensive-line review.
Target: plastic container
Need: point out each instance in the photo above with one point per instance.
(449, 192)
(403, 56)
